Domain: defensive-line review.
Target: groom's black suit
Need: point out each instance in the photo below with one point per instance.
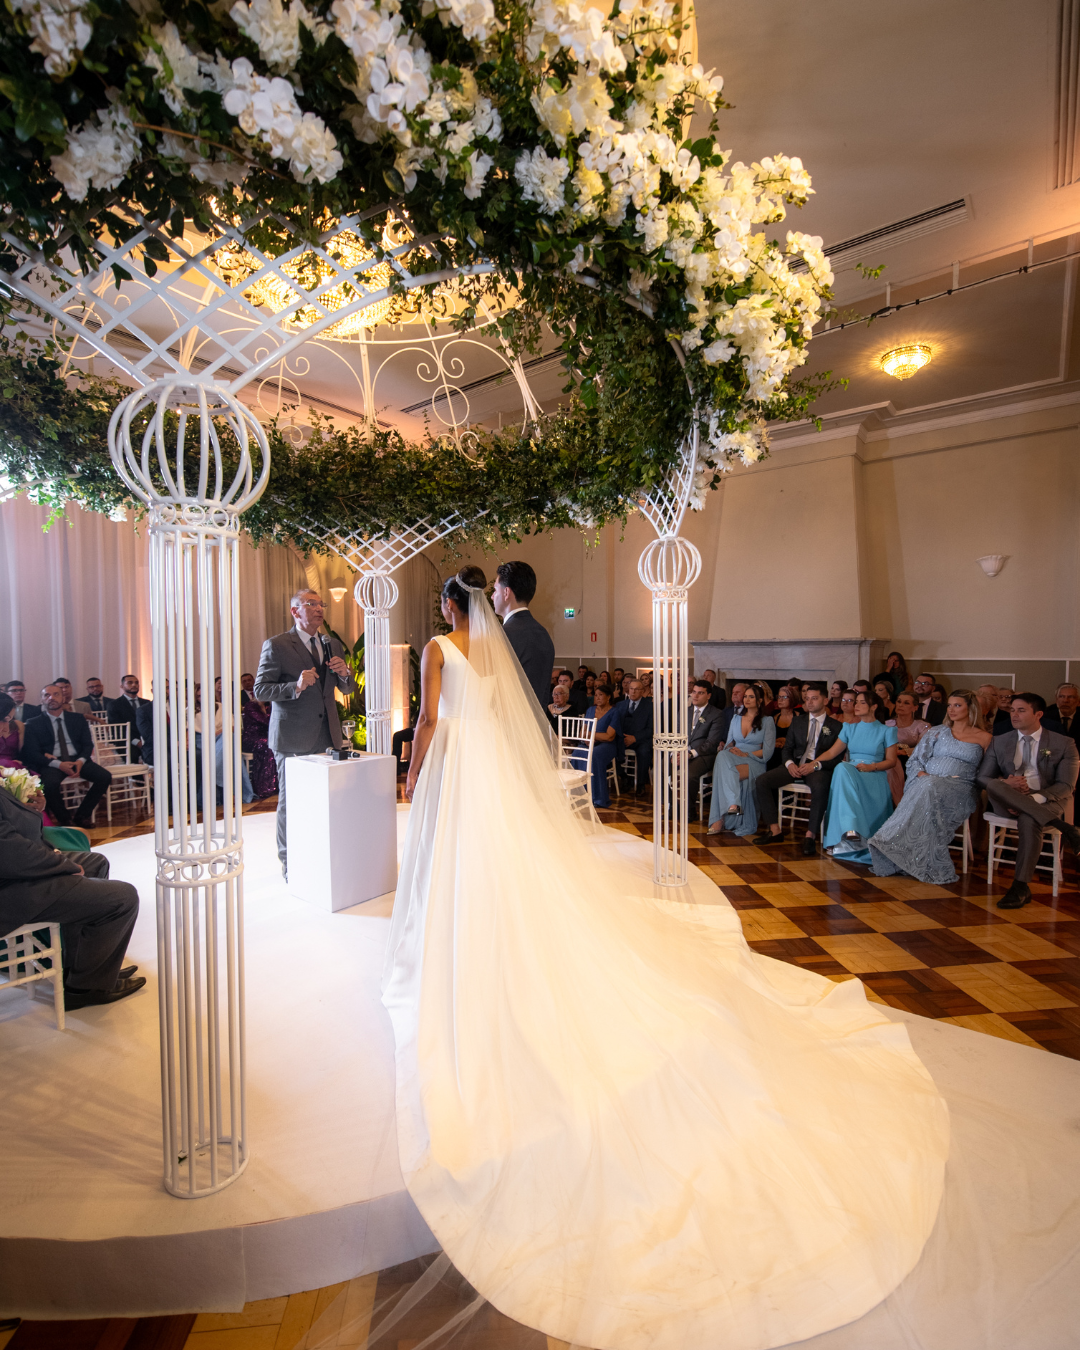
(535, 651)
(767, 785)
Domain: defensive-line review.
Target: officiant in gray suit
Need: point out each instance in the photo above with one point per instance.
(298, 674)
(515, 586)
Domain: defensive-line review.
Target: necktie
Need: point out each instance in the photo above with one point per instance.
(61, 740)
(313, 642)
(1025, 764)
(811, 740)
(633, 704)
(697, 714)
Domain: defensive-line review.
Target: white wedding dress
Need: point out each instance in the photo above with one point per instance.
(626, 1128)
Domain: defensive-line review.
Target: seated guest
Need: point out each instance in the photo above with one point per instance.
(39, 884)
(718, 697)
(859, 798)
(646, 683)
(750, 744)
(617, 677)
(1061, 716)
(559, 706)
(12, 732)
(1002, 720)
(94, 700)
(255, 740)
(16, 690)
(734, 709)
(124, 708)
(847, 705)
(987, 694)
(64, 685)
(787, 702)
(863, 685)
(58, 746)
(704, 738)
(896, 669)
(637, 728)
(940, 696)
(883, 687)
(811, 731)
(247, 689)
(608, 720)
(836, 693)
(939, 796)
(1030, 774)
(909, 731)
(927, 708)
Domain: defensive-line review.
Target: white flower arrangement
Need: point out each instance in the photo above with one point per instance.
(21, 783)
(602, 158)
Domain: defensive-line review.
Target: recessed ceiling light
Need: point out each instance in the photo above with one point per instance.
(903, 362)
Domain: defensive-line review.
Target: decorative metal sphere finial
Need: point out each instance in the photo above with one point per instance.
(376, 593)
(167, 473)
(669, 566)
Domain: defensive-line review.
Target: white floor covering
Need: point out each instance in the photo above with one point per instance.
(87, 1230)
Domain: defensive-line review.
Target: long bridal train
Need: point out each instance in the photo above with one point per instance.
(626, 1128)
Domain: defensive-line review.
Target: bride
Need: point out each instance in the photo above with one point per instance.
(625, 1128)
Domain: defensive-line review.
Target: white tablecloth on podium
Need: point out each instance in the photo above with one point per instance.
(342, 834)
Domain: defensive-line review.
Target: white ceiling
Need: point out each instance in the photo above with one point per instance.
(895, 110)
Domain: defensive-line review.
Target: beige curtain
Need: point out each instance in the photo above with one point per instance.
(77, 599)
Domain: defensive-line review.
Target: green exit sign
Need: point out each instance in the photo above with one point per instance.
(569, 613)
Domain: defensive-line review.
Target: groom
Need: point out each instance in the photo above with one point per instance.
(515, 586)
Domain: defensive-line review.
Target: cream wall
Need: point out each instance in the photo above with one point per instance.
(869, 528)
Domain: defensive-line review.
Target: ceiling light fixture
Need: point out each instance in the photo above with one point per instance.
(903, 362)
(337, 588)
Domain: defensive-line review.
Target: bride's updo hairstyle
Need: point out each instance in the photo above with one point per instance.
(454, 588)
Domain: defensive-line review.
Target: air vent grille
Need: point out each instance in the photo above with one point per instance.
(899, 232)
(1067, 94)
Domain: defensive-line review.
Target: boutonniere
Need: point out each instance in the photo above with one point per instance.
(825, 731)
(1044, 752)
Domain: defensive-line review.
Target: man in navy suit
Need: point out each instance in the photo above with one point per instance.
(637, 728)
(735, 707)
(515, 586)
(58, 746)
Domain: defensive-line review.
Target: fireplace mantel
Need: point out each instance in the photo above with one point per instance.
(777, 659)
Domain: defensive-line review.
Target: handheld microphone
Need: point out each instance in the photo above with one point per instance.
(327, 653)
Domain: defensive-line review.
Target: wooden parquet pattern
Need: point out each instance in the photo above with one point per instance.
(941, 951)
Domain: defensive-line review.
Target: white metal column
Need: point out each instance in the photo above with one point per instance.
(668, 567)
(376, 593)
(195, 600)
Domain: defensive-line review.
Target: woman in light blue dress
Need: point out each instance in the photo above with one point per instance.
(939, 796)
(860, 800)
(751, 741)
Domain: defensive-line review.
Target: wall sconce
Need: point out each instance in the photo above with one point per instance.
(903, 362)
(337, 588)
(992, 563)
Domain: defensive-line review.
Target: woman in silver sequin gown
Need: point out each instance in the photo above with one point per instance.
(939, 796)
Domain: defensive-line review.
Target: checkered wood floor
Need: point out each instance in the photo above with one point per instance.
(940, 951)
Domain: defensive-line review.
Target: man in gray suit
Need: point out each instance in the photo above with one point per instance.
(40, 885)
(298, 673)
(515, 586)
(704, 734)
(1030, 773)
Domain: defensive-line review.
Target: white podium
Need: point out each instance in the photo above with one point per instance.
(342, 828)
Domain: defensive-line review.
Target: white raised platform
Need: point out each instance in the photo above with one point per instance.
(87, 1230)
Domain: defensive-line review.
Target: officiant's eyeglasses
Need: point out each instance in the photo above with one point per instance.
(312, 604)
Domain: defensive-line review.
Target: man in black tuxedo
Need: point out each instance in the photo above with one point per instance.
(703, 740)
(637, 726)
(125, 709)
(927, 708)
(39, 884)
(515, 586)
(718, 698)
(810, 733)
(1030, 773)
(57, 746)
(23, 711)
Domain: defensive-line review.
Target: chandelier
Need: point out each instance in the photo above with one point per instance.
(903, 362)
(308, 272)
